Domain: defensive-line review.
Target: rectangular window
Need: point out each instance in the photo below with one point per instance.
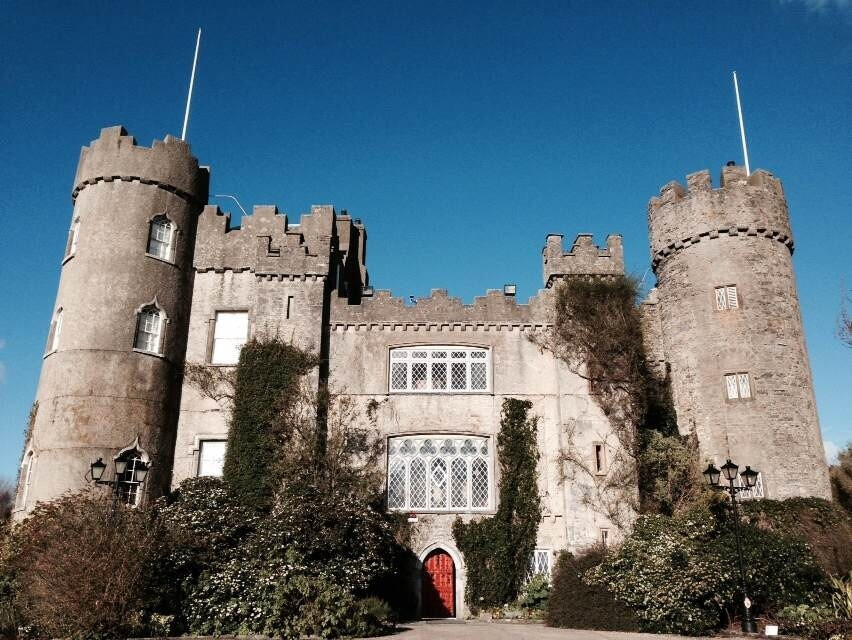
(439, 369)
(600, 458)
(604, 537)
(290, 308)
(726, 298)
(738, 386)
(229, 336)
(539, 563)
(211, 458)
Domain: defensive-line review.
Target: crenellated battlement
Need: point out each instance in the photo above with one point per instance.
(742, 205)
(384, 310)
(168, 164)
(584, 259)
(265, 242)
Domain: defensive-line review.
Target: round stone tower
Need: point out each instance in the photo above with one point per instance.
(110, 379)
(731, 328)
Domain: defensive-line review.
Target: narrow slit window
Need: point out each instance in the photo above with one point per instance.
(55, 332)
(290, 308)
(73, 236)
(600, 458)
(605, 537)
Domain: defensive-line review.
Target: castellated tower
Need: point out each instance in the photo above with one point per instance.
(725, 320)
(110, 379)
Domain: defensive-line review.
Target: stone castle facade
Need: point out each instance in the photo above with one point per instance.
(154, 277)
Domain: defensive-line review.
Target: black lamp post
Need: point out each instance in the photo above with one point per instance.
(139, 473)
(749, 479)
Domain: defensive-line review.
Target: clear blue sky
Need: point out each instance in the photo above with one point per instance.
(460, 132)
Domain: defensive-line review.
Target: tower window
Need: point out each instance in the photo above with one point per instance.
(439, 369)
(211, 458)
(149, 330)
(73, 236)
(161, 238)
(55, 331)
(600, 458)
(229, 335)
(24, 481)
(726, 298)
(129, 481)
(738, 386)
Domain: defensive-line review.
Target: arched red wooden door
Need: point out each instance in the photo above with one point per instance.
(438, 590)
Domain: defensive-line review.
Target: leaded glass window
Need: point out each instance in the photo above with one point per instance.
(161, 238)
(726, 298)
(149, 329)
(439, 369)
(439, 473)
(539, 563)
(738, 386)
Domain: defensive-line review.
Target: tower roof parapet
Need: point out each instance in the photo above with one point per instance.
(584, 259)
(167, 164)
(742, 205)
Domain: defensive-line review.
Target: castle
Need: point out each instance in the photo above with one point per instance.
(153, 277)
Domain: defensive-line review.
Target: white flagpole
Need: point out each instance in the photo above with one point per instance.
(742, 125)
(191, 84)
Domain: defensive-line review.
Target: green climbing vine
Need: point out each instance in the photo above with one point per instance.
(266, 387)
(497, 549)
(597, 332)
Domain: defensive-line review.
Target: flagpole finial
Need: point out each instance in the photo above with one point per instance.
(191, 85)
(742, 123)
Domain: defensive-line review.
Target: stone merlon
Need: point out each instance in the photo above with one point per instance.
(584, 259)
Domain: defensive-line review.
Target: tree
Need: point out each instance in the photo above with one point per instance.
(841, 478)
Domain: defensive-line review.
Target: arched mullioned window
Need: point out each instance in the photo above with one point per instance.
(55, 331)
(149, 329)
(161, 238)
(439, 473)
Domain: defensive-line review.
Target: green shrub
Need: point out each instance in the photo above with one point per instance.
(815, 622)
(824, 526)
(574, 603)
(535, 593)
(680, 574)
(312, 547)
(497, 550)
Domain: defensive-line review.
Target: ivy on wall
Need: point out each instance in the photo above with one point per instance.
(266, 383)
(497, 550)
(598, 333)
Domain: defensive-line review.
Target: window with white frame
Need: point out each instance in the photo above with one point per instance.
(738, 386)
(726, 298)
(439, 473)
(24, 480)
(73, 236)
(161, 238)
(129, 486)
(229, 335)
(755, 492)
(149, 330)
(439, 369)
(540, 563)
(211, 458)
(55, 331)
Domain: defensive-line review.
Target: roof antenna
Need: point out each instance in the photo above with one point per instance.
(191, 84)
(742, 124)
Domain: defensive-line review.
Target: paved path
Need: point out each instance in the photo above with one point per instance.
(475, 630)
